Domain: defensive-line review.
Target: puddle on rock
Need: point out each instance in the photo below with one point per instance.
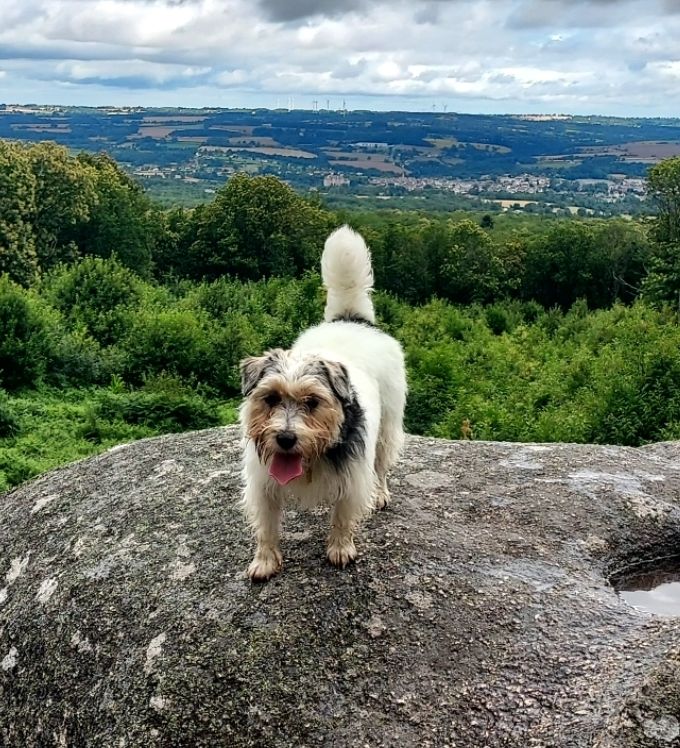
(653, 588)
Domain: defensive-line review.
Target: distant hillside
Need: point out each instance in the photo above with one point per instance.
(204, 146)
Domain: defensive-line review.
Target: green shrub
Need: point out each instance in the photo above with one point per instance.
(171, 340)
(298, 305)
(497, 319)
(551, 320)
(531, 311)
(505, 316)
(99, 295)
(389, 312)
(232, 341)
(433, 386)
(220, 298)
(77, 360)
(290, 305)
(15, 469)
(24, 336)
(9, 421)
(247, 318)
(163, 404)
(637, 405)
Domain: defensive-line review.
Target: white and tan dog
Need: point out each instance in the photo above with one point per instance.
(322, 422)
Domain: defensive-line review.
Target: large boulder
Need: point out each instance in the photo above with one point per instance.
(479, 612)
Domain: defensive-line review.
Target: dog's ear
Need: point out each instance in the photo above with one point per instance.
(338, 380)
(254, 368)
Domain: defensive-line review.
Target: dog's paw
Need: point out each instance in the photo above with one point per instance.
(265, 565)
(341, 552)
(382, 498)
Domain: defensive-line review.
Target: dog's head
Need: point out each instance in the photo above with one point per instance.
(295, 409)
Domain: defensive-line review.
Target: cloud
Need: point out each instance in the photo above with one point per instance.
(348, 70)
(131, 73)
(294, 10)
(611, 14)
(512, 55)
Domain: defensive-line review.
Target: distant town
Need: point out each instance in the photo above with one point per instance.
(529, 163)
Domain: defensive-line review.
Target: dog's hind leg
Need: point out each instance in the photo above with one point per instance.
(388, 448)
(264, 514)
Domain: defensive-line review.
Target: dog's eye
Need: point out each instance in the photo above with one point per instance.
(272, 400)
(311, 403)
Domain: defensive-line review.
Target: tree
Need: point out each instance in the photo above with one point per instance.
(472, 270)
(406, 264)
(122, 221)
(175, 235)
(663, 182)
(99, 295)
(566, 264)
(627, 251)
(64, 198)
(663, 281)
(258, 227)
(17, 200)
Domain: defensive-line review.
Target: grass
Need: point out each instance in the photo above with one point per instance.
(56, 427)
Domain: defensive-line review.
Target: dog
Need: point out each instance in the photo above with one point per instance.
(322, 423)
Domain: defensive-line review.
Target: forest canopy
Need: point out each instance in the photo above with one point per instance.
(119, 319)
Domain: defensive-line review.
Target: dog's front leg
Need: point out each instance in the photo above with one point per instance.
(340, 544)
(355, 502)
(264, 513)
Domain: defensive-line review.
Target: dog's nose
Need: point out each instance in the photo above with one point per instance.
(286, 439)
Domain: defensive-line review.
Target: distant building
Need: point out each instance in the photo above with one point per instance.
(335, 180)
(370, 146)
(545, 117)
(149, 171)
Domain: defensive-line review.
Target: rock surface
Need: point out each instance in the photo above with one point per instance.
(478, 614)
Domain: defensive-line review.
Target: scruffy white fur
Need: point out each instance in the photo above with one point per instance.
(346, 361)
(347, 275)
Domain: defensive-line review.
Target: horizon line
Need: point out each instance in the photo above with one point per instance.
(344, 110)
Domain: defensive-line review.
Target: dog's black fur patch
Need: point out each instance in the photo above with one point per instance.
(352, 435)
(357, 319)
(353, 432)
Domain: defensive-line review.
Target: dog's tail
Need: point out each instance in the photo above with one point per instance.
(348, 276)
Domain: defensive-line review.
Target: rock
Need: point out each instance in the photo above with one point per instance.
(478, 613)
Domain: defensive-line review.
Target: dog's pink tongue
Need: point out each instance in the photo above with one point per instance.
(285, 467)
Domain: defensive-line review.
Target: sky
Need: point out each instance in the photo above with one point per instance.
(611, 57)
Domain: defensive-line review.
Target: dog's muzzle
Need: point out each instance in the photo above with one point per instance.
(286, 465)
(286, 440)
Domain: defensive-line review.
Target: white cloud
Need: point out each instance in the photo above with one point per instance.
(670, 69)
(477, 55)
(110, 70)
